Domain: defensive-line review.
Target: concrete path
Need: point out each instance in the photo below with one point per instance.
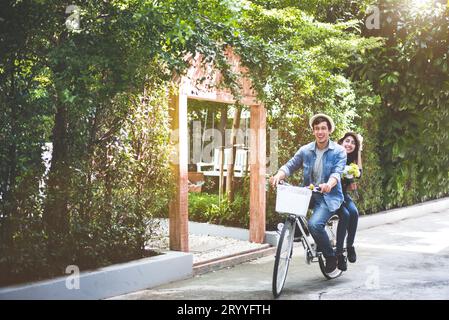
(408, 259)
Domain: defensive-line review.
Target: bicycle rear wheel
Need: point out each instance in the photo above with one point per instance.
(331, 229)
(283, 256)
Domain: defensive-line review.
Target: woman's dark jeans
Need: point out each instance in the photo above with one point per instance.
(349, 214)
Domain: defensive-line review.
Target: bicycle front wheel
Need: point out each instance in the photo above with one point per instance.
(283, 256)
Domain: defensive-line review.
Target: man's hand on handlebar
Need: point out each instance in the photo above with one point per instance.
(277, 178)
(325, 187)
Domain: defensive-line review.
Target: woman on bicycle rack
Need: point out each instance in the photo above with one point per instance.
(352, 143)
(323, 162)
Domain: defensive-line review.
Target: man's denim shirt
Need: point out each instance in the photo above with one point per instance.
(334, 162)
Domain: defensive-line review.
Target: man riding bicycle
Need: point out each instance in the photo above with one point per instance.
(323, 162)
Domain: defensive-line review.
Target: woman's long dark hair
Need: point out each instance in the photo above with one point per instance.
(352, 157)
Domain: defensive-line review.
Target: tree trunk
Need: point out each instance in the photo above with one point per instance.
(56, 207)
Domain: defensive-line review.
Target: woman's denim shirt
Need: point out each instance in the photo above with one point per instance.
(334, 161)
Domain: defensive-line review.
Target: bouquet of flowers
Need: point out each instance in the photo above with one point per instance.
(352, 171)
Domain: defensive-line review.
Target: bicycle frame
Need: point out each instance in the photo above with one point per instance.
(309, 247)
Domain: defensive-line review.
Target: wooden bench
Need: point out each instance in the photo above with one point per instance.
(240, 163)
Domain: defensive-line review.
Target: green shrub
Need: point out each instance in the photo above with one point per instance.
(206, 208)
(115, 188)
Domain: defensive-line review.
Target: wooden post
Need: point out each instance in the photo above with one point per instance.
(223, 121)
(257, 174)
(178, 210)
(230, 169)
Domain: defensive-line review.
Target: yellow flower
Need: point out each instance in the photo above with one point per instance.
(351, 171)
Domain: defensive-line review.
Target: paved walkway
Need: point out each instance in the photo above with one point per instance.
(408, 259)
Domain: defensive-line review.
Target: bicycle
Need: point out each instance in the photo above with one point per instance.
(296, 211)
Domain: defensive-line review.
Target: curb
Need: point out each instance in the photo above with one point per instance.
(198, 228)
(232, 260)
(110, 281)
(204, 228)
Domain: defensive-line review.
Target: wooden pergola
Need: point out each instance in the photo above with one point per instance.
(191, 86)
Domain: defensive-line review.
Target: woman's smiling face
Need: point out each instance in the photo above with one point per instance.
(349, 144)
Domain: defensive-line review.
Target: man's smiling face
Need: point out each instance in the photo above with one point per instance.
(321, 132)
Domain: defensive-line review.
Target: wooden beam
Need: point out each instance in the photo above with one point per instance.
(220, 96)
(204, 81)
(178, 210)
(257, 174)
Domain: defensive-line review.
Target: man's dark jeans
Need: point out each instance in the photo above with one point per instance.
(317, 222)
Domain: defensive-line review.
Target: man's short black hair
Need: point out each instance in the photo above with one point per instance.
(318, 120)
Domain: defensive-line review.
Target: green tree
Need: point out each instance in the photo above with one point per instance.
(410, 73)
(81, 89)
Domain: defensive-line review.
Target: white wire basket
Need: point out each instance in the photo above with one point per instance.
(293, 200)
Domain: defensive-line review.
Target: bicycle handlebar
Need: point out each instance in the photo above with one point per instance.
(311, 187)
